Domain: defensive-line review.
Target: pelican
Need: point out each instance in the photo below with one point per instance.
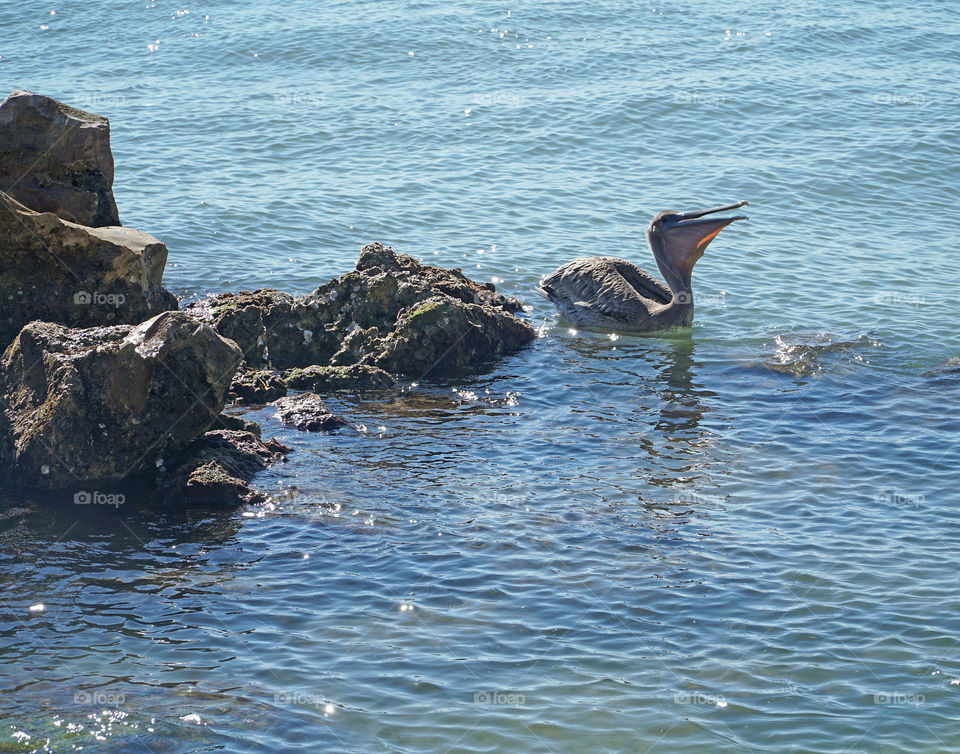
(611, 293)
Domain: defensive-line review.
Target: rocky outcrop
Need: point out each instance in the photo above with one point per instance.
(445, 336)
(307, 412)
(274, 329)
(58, 271)
(365, 317)
(217, 469)
(257, 386)
(108, 403)
(322, 380)
(55, 158)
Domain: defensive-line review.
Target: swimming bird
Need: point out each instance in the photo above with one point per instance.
(611, 293)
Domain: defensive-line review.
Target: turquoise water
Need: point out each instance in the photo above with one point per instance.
(741, 537)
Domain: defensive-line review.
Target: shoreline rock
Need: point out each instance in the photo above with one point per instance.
(59, 271)
(105, 381)
(218, 467)
(365, 317)
(107, 403)
(257, 386)
(56, 158)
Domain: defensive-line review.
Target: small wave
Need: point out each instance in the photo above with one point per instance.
(806, 359)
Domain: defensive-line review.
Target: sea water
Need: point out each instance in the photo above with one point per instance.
(737, 537)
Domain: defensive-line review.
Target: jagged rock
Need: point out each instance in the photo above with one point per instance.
(231, 421)
(271, 327)
(319, 379)
(107, 403)
(351, 319)
(257, 386)
(444, 336)
(55, 158)
(307, 412)
(376, 257)
(217, 468)
(57, 271)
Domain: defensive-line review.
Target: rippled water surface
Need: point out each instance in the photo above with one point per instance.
(739, 537)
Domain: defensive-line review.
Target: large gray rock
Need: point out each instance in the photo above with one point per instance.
(108, 403)
(57, 271)
(55, 158)
(367, 317)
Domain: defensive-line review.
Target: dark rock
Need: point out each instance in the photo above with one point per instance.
(108, 403)
(257, 386)
(949, 368)
(376, 257)
(231, 421)
(217, 469)
(351, 319)
(306, 412)
(271, 327)
(55, 158)
(444, 336)
(319, 379)
(58, 271)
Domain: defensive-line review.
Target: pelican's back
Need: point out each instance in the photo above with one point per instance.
(603, 291)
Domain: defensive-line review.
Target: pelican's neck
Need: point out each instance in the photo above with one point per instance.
(680, 309)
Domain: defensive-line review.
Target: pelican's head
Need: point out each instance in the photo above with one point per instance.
(678, 240)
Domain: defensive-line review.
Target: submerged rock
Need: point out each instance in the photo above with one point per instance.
(108, 403)
(55, 158)
(308, 413)
(217, 468)
(57, 271)
(366, 317)
(949, 368)
(257, 386)
(319, 379)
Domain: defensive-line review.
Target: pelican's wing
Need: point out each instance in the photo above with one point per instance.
(607, 286)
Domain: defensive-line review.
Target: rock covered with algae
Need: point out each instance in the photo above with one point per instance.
(369, 317)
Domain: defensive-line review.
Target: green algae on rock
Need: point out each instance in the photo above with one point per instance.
(319, 379)
(257, 386)
(445, 335)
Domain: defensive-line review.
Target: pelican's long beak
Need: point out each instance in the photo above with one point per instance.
(685, 218)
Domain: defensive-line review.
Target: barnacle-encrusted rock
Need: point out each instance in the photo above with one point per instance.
(308, 413)
(55, 158)
(364, 317)
(445, 335)
(107, 403)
